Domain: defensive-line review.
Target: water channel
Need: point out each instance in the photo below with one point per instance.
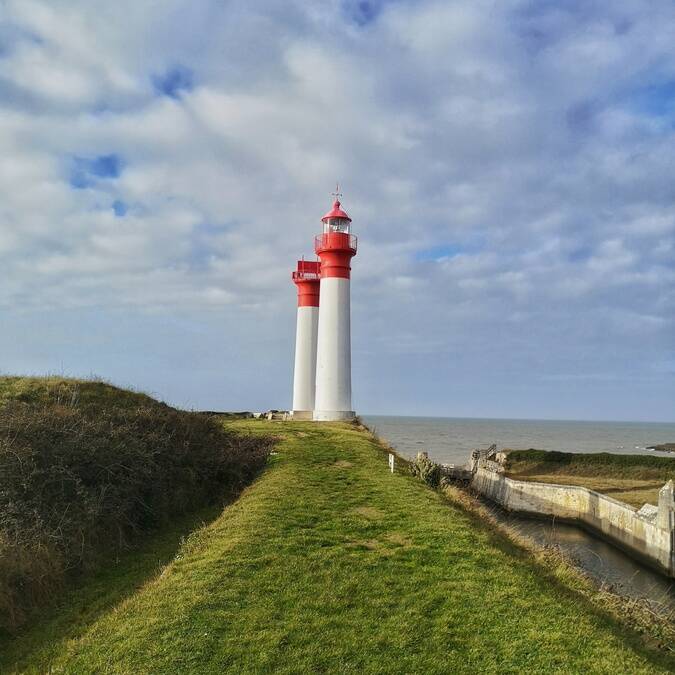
(450, 441)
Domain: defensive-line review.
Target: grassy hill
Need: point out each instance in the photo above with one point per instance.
(86, 469)
(329, 563)
(46, 391)
(634, 479)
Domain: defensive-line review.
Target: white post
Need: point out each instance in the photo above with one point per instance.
(391, 462)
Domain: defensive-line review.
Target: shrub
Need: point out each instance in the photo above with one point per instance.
(426, 470)
(80, 479)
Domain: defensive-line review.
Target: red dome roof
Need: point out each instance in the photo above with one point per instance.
(336, 212)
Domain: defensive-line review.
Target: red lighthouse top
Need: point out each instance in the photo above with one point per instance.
(336, 212)
(335, 245)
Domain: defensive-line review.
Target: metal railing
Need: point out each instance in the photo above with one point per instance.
(306, 276)
(335, 240)
(308, 270)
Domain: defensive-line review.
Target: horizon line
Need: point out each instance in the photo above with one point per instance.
(520, 419)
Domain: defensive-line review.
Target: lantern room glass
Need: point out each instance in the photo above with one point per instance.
(336, 225)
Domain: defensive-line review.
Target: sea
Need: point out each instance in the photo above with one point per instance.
(450, 440)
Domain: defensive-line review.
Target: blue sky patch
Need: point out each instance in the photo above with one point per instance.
(580, 254)
(86, 170)
(120, 208)
(174, 81)
(12, 35)
(657, 100)
(580, 116)
(363, 12)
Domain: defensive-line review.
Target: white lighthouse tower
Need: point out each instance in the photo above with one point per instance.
(306, 279)
(335, 246)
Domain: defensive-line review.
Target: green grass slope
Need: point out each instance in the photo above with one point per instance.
(328, 563)
(79, 606)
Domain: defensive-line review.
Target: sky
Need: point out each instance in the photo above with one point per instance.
(509, 168)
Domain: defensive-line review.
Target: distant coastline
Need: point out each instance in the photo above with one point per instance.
(450, 440)
(663, 447)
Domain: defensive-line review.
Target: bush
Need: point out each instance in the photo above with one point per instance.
(426, 470)
(80, 479)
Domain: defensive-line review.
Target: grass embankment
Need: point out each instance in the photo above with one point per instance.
(77, 607)
(328, 563)
(633, 479)
(86, 469)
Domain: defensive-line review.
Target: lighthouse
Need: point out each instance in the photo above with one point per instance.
(335, 246)
(306, 279)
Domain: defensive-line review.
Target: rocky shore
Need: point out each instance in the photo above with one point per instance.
(663, 447)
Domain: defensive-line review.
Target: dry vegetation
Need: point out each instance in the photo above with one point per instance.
(85, 468)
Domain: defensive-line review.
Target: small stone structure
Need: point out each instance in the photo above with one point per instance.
(648, 533)
(278, 415)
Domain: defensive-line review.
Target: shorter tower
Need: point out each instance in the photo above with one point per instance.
(307, 280)
(335, 246)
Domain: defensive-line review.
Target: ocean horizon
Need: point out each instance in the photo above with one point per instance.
(451, 439)
(516, 419)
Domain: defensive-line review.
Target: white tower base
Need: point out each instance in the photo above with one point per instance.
(333, 415)
(303, 415)
(333, 359)
(304, 377)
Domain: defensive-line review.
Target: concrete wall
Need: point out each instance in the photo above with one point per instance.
(648, 534)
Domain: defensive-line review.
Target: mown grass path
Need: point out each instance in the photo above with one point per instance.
(328, 563)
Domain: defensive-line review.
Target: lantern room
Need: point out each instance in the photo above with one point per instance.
(335, 245)
(336, 220)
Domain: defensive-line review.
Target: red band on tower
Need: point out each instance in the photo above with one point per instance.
(307, 279)
(336, 250)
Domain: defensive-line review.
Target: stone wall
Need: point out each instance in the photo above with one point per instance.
(648, 533)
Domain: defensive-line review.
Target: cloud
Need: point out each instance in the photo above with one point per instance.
(508, 168)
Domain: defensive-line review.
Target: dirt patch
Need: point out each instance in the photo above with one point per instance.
(398, 539)
(369, 512)
(343, 464)
(369, 544)
(388, 545)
